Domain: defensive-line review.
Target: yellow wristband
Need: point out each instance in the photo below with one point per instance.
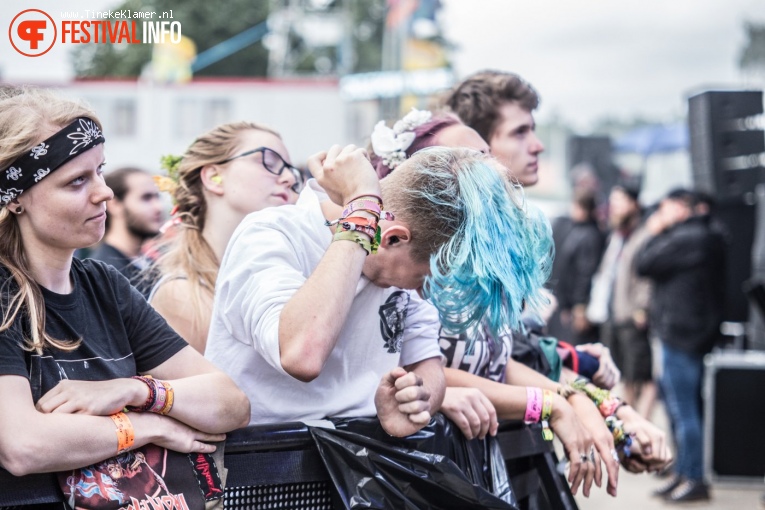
(169, 398)
(547, 402)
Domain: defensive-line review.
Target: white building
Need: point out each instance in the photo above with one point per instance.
(143, 121)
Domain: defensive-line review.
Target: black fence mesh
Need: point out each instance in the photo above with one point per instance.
(292, 496)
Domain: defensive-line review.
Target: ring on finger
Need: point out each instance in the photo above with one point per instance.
(615, 455)
(592, 454)
(583, 457)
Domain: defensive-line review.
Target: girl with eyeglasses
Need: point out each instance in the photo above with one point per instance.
(225, 174)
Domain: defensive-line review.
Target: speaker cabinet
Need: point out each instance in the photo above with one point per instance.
(726, 149)
(734, 445)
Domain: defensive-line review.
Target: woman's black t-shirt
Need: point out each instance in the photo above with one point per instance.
(121, 333)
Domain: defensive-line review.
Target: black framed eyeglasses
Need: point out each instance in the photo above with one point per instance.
(275, 164)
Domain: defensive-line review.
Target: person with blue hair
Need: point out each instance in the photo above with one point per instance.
(484, 382)
(319, 302)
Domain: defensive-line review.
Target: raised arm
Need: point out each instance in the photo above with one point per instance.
(311, 320)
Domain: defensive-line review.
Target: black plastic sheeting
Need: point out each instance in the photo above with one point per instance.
(434, 469)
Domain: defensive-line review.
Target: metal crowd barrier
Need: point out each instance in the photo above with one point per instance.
(277, 467)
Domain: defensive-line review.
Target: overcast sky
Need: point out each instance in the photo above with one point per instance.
(591, 58)
(587, 58)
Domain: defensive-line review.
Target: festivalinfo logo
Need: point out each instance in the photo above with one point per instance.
(33, 32)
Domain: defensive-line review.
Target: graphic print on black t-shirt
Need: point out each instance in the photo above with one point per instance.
(150, 477)
(483, 357)
(392, 320)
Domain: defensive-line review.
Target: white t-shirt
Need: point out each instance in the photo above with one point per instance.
(269, 257)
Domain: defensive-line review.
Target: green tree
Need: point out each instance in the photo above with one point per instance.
(206, 23)
(753, 55)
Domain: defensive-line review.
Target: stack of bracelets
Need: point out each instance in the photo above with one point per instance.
(361, 229)
(608, 405)
(539, 408)
(160, 401)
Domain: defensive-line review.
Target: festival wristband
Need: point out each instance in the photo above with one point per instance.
(533, 405)
(169, 399)
(360, 197)
(359, 238)
(547, 403)
(368, 206)
(350, 226)
(125, 432)
(161, 392)
(151, 399)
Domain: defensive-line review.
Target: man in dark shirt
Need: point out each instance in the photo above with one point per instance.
(683, 260)
(578, 249)
(132, 217)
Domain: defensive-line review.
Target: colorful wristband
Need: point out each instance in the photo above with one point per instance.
(566, 390)
(362, 239)
(369, 206)
(125, 432)
(170, 398)
(547, 403)
(151, 399)
(533, 405)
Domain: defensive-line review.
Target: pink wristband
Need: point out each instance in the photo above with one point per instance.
(533, 405)
(369, 206)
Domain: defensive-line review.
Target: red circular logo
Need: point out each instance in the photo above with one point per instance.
(32, 32)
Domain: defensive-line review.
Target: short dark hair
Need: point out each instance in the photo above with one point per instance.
(684, 195)
(478, 98)
(702, 197)
(117, 181)
(629, 186)
(585, 198)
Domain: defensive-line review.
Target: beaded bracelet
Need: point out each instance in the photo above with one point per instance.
(622, 440)
(125, 432)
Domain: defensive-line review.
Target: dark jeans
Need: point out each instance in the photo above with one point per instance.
(681, 383)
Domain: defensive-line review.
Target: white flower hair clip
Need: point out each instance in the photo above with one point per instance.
(391, 144)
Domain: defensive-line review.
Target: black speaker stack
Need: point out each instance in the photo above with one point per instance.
(728, 159)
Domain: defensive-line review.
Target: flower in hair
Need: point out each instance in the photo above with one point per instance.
(391, 144)
(412, 120)
(168, 183)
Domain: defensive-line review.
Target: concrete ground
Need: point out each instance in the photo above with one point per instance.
(634, 491)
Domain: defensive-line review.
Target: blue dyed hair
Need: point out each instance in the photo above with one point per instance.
(493, 252)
